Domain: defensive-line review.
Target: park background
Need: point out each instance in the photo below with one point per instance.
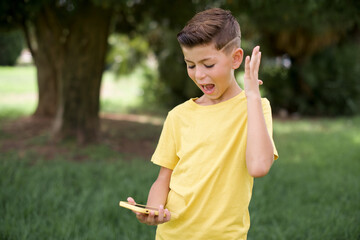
(85, 87)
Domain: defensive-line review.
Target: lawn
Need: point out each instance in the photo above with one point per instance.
(312, 192)
(18, 91)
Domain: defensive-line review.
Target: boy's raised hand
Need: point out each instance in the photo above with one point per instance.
(251, 81)
(151, 218)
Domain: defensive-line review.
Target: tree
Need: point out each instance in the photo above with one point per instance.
(298, 32)
(68, 41)
(305, 31)
(162, 20)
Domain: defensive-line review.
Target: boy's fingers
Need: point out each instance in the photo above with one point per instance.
(131, 200)
(161, 214)
(141, 217)
(254, 65)
(254, 56)
(247, 66)
(258, 61)
(151, 218)
(256, 50)
(168, 215)
(253, 52)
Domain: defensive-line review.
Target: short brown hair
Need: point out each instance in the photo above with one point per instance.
(214, 25)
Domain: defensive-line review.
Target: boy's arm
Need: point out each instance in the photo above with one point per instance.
(157, 198)
(259, 148)
(159, 190)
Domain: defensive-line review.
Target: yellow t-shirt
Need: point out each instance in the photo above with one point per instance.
(210, 187)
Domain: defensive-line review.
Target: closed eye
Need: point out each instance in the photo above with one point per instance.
(191, 67)
(209, 66)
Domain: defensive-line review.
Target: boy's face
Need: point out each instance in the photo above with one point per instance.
(213, 71)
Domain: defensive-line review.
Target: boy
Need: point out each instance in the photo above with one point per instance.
(212, 147)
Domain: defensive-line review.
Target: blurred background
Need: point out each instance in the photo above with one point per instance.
(85, 86)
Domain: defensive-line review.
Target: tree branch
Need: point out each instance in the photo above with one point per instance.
(25, 28)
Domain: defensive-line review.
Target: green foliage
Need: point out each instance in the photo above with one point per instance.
(299, 28)
(177, 86)
(306, 14)
(125, 93)
(278, 86)
(17, 13)
(11, 45)
(125, 53)
(333, 77)
(325, 84)
(318, 38)
(162, 23)
(13, 14)
(308, 32)
(302, 30)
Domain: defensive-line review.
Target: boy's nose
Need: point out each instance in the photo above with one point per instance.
(199, 75)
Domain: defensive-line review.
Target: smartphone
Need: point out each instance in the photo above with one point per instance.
(139, 208)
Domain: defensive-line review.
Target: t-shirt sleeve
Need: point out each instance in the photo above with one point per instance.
(165, 152)
(268, 120)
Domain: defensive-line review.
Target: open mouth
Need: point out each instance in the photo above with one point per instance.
(208, 88)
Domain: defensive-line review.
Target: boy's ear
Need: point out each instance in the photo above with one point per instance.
(237, 57)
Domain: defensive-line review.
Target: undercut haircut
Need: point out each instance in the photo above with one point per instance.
(214, 25)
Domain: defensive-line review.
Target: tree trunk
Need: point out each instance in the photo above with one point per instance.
(44, 59)
(81, 67)
(47, 31)
(47, 88)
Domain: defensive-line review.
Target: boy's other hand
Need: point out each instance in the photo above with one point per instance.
(151, 218)
(251, 81)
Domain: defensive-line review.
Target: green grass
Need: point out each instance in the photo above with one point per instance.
(67, 200)
(17, 80)
(18, 89)
(121, 94)
(312, 192)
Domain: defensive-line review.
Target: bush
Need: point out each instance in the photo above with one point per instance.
(173, 86)
(326, 84)
(11, 45)
(277, 85)
(126, 53)
(333, 75)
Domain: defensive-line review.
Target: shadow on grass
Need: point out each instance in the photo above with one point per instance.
(132, 136)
